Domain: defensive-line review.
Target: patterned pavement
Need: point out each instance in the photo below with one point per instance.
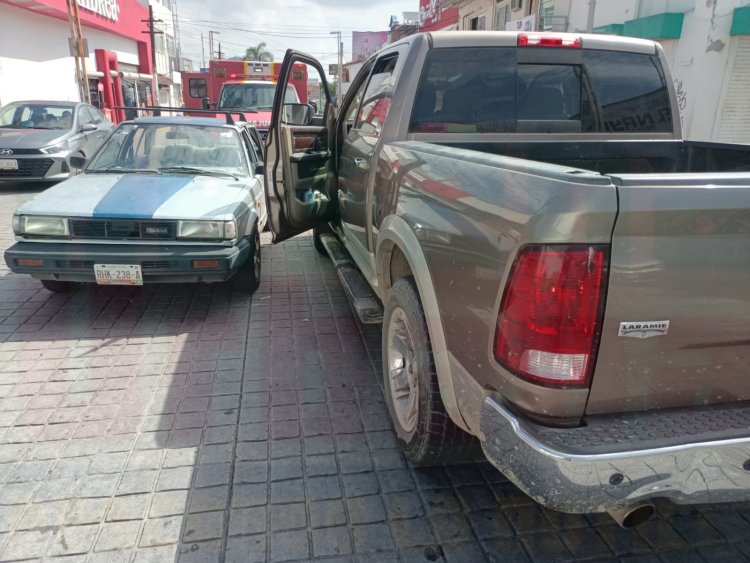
(191, 423)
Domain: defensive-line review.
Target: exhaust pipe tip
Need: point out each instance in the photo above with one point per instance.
(633, 515)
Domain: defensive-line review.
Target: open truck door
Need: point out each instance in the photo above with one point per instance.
(298, 163)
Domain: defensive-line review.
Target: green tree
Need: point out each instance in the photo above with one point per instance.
(258, 53)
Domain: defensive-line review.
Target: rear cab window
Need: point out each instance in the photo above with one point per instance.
(487, 90)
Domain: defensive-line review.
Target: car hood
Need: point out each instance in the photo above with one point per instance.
(31, 138)
(142, 196)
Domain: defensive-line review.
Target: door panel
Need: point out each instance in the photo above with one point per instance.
(298, 167)
(358, 152)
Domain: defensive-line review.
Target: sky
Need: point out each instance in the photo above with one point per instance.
(304, 25)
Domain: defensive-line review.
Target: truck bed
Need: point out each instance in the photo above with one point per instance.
(680, 252)
(626, 157)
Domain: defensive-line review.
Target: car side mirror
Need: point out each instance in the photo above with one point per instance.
(78, 162)
(297, 114)
(206, 103)
(87, 127)
(259, 169)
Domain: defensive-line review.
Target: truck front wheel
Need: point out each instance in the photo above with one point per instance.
(424, 429)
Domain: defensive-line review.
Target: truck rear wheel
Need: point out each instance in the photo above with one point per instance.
(424, 429)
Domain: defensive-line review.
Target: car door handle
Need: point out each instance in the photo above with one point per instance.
(362, 164)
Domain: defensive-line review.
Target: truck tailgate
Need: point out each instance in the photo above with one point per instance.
(680, 254)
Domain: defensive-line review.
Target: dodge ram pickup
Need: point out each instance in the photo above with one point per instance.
(559, 275)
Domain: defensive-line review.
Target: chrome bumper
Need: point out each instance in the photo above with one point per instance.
(581, 482)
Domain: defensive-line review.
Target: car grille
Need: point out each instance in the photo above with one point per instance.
(122, 229)
(28, 168)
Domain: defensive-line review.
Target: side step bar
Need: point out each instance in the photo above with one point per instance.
(362, 298)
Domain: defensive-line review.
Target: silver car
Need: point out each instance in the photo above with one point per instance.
(37, 138)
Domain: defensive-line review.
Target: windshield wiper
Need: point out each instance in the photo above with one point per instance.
(120, 170)
(200, 171)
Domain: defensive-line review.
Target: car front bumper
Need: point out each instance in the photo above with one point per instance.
(167, 263)
(38, 168)
(688, 456)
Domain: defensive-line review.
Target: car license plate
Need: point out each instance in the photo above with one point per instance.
(118, 274)
(8, 164)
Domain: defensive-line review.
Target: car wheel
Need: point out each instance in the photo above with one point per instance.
(424, 429)
(247, 277)
(57, 286)
(317, 243)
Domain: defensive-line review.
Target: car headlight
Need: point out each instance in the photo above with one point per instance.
(59, 147)
(208, 230)
(40, 225)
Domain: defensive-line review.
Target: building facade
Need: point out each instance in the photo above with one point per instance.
(36, 57)
(168, 65)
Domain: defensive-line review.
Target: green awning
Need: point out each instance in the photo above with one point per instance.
(741, 21)
(611, 29)
(659, 26)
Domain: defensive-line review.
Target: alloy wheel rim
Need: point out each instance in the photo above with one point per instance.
(402, 370)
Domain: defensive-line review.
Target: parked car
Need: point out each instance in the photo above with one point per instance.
(563, 277)
(165, 199)
(38, 138)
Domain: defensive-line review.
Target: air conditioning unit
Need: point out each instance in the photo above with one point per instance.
(516, 4)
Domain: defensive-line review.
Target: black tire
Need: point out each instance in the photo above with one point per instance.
(56, 286)
(434, 438)
(317, 243)
(247, 278)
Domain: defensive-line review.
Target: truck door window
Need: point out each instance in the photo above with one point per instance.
(377, 96)
(197, 88)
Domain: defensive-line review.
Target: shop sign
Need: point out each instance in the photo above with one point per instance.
(109, 9)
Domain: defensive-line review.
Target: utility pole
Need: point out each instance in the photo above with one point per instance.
(203, 53)
(153, 32)
(340, 46)
(590, 19)
(220, 54)
(211, 44)
(79, 54)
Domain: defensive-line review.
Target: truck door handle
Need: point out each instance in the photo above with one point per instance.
(362, 164)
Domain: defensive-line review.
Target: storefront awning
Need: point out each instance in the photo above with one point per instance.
(659, 26)
(741, 21)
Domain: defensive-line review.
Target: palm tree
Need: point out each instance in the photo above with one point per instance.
(258, 53)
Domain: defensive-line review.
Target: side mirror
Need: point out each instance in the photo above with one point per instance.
(88, 127)
(297, 114)
(258, 169)
(206, 103)
(77, 162)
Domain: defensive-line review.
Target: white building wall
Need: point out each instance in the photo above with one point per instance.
(40, 67)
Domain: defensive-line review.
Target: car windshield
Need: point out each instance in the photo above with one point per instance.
(173, 147)
(36, 116)
(253, 96)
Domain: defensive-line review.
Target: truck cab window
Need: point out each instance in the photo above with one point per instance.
(377, 96)
(485, 90)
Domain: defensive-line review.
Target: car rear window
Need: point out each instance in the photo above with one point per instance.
(486, 90)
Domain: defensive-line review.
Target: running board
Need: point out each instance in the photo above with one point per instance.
(362, 298)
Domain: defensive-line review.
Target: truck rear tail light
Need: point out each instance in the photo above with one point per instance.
(546, 40)
(551, 313)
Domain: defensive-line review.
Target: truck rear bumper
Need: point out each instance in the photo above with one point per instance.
(580, 474)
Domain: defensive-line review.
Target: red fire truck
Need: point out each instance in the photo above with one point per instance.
(242, 85)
